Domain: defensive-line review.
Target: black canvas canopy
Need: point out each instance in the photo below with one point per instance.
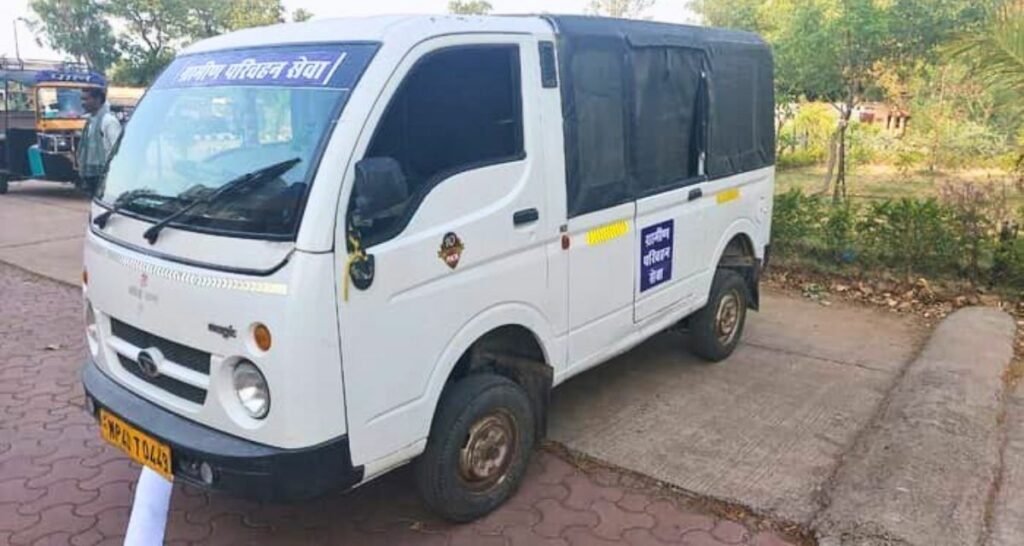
(651, 106)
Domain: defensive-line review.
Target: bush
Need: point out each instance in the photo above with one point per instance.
(795, 219)
(912, 236)
(799, 158)
(976, 209)
(838, 231)
(866, 143)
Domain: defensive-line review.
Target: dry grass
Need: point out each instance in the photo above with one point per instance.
(886, 182)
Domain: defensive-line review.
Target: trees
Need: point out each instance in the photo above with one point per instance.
(738, 14)
(152, 31)
(206, 18)
(995, 57)
(149, 32)
(79, 28)
(469, 7)
(996, 51)
(301, 15)
(629, 9)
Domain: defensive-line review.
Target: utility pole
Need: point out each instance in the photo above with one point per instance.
(17, 50)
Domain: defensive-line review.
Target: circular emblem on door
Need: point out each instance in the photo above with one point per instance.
(451, 250)
(147, 365)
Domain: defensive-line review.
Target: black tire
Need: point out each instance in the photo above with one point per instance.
(710, 337)
(3, 184)
(488, 401)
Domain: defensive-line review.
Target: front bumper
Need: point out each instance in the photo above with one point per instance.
(240, 467)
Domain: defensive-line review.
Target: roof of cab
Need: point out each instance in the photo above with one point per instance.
(409, 29)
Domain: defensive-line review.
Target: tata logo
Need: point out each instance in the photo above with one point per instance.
(139, 291)
(147, 365)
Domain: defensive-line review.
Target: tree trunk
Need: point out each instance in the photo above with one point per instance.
(830, 167)
(839, 190)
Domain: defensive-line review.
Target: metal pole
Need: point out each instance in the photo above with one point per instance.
(17, 50)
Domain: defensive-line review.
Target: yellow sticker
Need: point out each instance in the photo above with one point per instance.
(727, 195)
(607, 232)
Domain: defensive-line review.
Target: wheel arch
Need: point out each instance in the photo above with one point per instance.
(511, 340)
(738, 249)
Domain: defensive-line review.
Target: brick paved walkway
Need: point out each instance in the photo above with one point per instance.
(60, 484)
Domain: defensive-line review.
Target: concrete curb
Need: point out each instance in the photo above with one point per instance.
(925, 470)
(1008, 510)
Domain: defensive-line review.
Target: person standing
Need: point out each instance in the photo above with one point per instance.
(98, 138)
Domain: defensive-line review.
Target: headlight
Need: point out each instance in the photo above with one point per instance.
(251, 389)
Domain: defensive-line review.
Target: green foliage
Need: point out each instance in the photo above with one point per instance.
(837, 229)
(469, 7)
(149, 32)
(798, 159)
(628, 9)
(300, 15)
(909, 235)
(795, 220)
(867, 143)
(996, 51)
(78, 28)
(1008, 259)
(739, 14)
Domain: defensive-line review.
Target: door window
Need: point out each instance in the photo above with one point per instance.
(458, 109)
(667, 117)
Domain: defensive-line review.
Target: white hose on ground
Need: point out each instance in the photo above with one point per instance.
(148, 521)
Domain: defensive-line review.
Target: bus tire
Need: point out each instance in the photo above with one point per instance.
(478, 449)
(716, 329)
(3, 184)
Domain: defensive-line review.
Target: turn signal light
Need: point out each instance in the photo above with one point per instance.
(85, 276)
(261, 335)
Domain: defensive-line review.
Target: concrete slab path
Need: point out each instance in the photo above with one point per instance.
(42, 228)
(765, 428)
(925, 471)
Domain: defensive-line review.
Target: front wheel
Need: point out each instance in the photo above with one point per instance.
(479, 447)
(716, 329)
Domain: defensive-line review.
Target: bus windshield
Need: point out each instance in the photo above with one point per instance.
(59, 102)
(212, 117)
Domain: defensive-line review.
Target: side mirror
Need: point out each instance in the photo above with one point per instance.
(380, 187)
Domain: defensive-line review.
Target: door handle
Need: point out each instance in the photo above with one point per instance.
(525, 216)
(695, 193)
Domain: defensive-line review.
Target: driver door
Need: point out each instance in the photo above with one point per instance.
(466, 240)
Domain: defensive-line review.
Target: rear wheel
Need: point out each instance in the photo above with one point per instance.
(3, 184)
(479, 447)
(716, 329)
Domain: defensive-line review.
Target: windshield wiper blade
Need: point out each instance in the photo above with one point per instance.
(124, 200)
(269, 172)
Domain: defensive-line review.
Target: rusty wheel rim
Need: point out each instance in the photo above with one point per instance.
(727, 317)
(489, 450)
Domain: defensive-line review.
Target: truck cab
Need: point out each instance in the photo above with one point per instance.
(325, 250)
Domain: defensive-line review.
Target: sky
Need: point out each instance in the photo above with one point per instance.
(10, 10)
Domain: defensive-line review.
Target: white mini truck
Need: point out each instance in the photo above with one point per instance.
(324, 250)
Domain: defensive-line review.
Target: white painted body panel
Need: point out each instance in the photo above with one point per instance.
(373, 366)
(178, 302)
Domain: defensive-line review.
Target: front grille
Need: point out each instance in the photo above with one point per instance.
(183, 355)
(169, 384)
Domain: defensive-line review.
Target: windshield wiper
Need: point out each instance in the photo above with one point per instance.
(269, 172)
(124, 200)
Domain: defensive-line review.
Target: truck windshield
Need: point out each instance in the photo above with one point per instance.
(212, 117)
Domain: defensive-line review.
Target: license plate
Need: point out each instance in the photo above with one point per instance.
(138, 445)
